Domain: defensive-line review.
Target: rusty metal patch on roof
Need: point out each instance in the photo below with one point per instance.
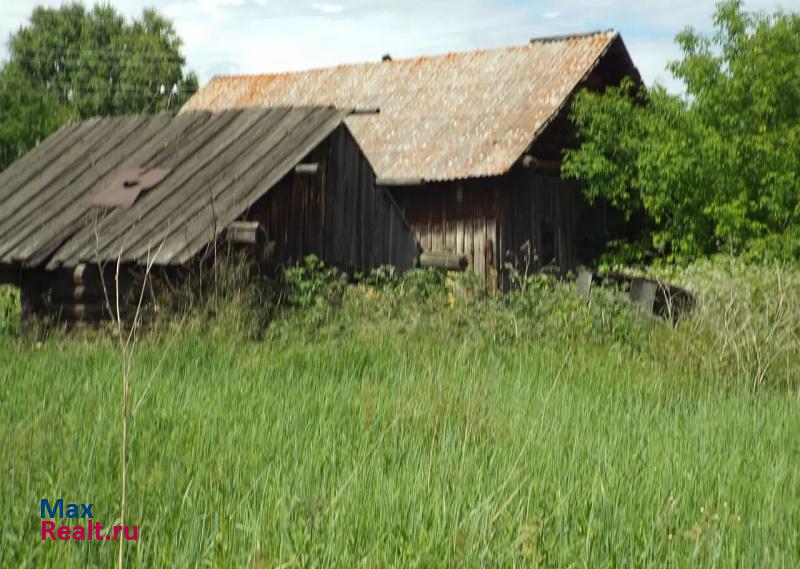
(445, 117)
(126, 187)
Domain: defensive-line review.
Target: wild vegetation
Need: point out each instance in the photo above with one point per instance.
(714, 169)
(421, 422)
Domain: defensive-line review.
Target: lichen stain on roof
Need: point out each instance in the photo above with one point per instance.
(444, 117)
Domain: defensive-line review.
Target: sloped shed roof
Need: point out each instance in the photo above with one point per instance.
(214, 166)
(446, 117)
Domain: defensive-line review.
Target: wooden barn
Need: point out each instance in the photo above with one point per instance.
(468, 144)
(454, 156)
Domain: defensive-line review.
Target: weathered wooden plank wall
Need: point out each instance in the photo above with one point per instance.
(541, 204)
(490, 221)
(364, 228)
(456, 217)
(337, 214)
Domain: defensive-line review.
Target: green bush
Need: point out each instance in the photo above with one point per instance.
(9, 312)
(713, 170)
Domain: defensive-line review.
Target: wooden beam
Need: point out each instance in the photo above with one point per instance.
(441, 260)
(309, 169)
(399, 181)
(541, 164)
(245, 232)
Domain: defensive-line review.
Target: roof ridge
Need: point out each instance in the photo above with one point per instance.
(568, 36)
(543, 39)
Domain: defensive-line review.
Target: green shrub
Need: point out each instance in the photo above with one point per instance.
(312, 284)
(9, 311)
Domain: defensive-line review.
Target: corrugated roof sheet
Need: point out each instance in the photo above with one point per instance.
(218, 165)
(446, 117)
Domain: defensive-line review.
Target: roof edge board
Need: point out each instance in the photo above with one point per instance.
(389, 181)
(611, 41)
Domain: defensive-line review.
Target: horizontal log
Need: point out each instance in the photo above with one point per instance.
(87, 274)
(441, 260)
(246, 233)
(308, 169)
(89, 293)
(76, 312)
(540, 164)
(92, 284)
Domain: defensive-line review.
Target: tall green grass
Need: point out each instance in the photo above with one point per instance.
(407, 424)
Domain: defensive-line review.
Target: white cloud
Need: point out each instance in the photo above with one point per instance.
(328, 8)
(251, 36)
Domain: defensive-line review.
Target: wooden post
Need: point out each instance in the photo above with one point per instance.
(643, 294)
(584, 282)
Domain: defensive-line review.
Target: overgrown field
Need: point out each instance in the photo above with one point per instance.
(417, 423)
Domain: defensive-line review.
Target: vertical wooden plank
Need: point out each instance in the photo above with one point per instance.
(436, 220)
(499, 218)
(318, 205)
(542, 212)
(368, 216)
(331, 177)
(429, 210)
(274, 225)
(306, 187)
(451, 231)
(480, 236)
(460, 240)
(469, 229)
(380, 227)
(391, 257)
(491, 251)
(357, 246)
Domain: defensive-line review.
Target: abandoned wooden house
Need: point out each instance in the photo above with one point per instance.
(363, 165)
(468, 144)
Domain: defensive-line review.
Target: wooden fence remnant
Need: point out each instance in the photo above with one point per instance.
(584, 282)
(651, 296)
(643, 294)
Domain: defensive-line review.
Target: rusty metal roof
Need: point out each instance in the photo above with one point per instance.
(215, 166)
(446, 117)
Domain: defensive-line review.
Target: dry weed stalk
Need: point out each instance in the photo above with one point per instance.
(126, 338)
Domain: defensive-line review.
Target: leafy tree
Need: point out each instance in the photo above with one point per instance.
(717, 168)
(70, 63)
(26, 115)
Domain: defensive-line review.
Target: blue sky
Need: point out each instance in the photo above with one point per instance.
(251, 36)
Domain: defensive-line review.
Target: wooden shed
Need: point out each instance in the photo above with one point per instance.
(468, 144)
(162, 190)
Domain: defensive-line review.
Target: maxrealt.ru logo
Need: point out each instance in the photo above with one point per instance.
(89, 530)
